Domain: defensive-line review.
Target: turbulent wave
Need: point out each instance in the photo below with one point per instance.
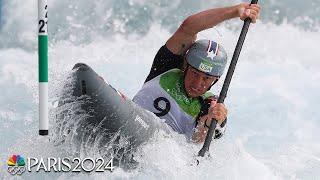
(82, 22)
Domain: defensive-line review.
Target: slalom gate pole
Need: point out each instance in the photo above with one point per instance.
(43, 66)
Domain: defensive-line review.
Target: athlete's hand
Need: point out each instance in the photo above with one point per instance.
(217, 111)
(246, 10)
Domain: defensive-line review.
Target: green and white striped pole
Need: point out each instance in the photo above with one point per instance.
(43, 67)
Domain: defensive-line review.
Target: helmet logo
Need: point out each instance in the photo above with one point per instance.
(205, 66)
(212, 49)
(211, 54)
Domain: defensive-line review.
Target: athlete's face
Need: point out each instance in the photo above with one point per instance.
(197, 83)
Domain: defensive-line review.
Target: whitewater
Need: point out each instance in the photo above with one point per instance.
(273, 101)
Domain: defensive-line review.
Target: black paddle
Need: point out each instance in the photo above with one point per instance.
(227, 81)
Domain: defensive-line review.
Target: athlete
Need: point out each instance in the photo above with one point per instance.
(183, 71)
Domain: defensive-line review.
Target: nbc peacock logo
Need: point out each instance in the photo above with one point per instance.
(16, 165)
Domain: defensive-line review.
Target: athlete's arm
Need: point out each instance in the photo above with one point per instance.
(186, 34)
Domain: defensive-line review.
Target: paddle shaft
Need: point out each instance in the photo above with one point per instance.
(227, 81)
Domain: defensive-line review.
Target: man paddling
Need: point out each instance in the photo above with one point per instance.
(183, 71)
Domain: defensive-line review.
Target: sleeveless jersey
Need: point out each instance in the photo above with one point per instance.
(166, 97)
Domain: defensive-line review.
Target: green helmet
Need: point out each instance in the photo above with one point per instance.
(208, 57)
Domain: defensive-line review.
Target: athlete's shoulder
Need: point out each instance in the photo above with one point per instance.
(164, 61)
(168, 75)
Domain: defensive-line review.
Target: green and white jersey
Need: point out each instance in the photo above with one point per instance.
(166, 97)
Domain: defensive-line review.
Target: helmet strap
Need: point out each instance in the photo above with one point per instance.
(213, 84)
